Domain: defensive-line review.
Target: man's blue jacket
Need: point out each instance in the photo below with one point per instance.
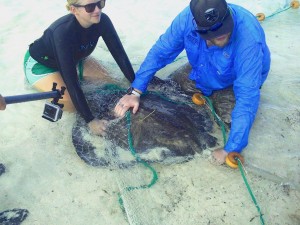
(243, 63)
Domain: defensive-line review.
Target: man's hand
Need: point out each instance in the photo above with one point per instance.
(125, 103)
(2, 103)
(98, 127)
(220, 155)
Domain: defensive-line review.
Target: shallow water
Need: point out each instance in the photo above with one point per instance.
(45, 176)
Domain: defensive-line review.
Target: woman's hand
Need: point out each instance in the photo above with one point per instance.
(2, 103)
(125, 103)
(98, 127)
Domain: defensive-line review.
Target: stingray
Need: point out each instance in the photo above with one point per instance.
(2, 169)
(167, 128)
(12, 216)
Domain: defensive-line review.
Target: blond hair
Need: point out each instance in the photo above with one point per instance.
(69, 3)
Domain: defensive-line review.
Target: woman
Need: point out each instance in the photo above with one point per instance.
(60, 56)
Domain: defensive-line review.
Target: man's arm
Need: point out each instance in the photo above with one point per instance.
(248, 65)
(163, 52)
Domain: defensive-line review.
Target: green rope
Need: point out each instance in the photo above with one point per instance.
(133, 152)
(139, 160)
(179, 58)
(111, 88)
(219, 121)
(250, 191)
(154, 173)
(222, 125)
(277, 12)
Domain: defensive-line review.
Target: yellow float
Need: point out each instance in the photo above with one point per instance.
(232, 159)
(198, 99)
(260, 16)
(295, 4)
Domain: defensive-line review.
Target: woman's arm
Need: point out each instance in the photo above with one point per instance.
(115, 47)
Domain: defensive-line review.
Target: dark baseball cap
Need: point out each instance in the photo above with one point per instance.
(213, 18)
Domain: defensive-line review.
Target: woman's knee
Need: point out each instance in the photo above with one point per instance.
(94, 71)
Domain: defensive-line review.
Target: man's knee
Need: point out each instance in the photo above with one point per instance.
(224, 102)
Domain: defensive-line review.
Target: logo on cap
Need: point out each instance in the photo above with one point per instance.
(211, 15)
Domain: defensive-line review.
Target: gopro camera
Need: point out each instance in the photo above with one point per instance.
(52, 112)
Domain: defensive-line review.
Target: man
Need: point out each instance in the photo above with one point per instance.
(2, 103)
(226, 48)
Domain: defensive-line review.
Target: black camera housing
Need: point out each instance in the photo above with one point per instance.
(52, 112)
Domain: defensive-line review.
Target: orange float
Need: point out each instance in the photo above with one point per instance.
(232, 159)
(260, 16)
(198, 99)
(295, 4)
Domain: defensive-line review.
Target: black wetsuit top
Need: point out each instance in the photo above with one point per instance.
(66, 42)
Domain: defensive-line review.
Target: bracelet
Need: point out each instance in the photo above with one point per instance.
(131, 91)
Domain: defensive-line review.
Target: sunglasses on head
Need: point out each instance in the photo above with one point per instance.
(214, 27)
(89, 8)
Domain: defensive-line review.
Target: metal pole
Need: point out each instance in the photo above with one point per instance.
(31, 97)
